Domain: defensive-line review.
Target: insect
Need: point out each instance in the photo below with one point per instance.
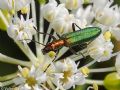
(79, 37)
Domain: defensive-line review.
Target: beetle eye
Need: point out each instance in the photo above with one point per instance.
(43, 51)
(46, 50)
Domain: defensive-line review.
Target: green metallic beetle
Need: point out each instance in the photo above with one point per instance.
(79, 37)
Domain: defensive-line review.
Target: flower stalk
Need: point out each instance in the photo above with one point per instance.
(27, 51)
(8, 77)
(6, 59)
(99, 70)
(98, 82)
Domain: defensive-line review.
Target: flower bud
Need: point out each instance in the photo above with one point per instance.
(112, 81)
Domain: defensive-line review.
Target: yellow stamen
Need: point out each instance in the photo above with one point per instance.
(24, 10)
(50, 16)
(51, 54)
(95, 86)
(31, 81)
(85, 70)
(25, 72)
(107, 35)
(66, 75)
(106, 53)
(75, 3)
(37, 63)
(12, 12)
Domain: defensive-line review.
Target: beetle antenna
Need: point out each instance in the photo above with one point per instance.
(45, 33)
(73, 26)
(33, 41)
(52, 61)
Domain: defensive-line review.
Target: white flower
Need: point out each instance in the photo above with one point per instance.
(72, 4)
(49, 10)
(6, 4)
(63, 23)
(100, 49)
(85, 15)
(108, 16)
(115, 32)
(21, 29)
(13, 4)
(19, 4)
(30, 78)
(67, 74)
(99, 4)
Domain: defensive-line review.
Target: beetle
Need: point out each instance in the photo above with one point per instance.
(79, 37)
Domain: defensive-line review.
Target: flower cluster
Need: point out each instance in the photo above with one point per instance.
(21, 29)
(46, 72)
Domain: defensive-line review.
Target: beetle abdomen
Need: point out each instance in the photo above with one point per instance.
(82, 36)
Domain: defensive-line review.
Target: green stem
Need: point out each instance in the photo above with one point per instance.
(8, 77)
(6, 83)
(33, 11)
(6, 59)
(33, 8)
(51, 84)
(41, 29)
(98, 82)
(27, 51)
(44, 87)
(91, 63)
(108, 69)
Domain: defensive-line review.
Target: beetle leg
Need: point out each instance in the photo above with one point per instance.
(58, 35)
(82, 55)
(33, 41)
(73, 51)
(90, 42)
(45, 34)
(73, 26)
(52, 60)
(77, 26)
(82, 45)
